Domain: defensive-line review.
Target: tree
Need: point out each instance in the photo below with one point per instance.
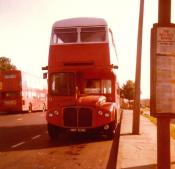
(5, 64)
(128, 90)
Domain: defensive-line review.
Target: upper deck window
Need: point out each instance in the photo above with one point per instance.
(65, 35)
(93, 34)
(78, 35)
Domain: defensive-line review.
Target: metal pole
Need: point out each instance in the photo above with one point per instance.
(136, 113)
(163, 123)
(164, 12)
(163, 143)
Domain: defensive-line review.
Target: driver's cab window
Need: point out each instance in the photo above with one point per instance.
(97, 86)
(92, 87)
(106, 87)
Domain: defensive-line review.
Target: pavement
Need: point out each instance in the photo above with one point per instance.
(139, 151)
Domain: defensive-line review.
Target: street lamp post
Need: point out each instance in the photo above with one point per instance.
(136, 113)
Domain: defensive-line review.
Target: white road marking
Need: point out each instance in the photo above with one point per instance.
(19, 144)
(35, 137)
(16, 145)
(19, 119)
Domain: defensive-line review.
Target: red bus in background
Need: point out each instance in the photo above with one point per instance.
(21, 91)
(83, 92)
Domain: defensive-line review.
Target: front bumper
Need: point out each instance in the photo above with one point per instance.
(104, 129)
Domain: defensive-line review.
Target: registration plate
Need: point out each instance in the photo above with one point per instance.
(77, 130)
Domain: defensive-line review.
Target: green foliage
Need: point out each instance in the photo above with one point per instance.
(128, 90)
(5, 64)
(154, 120)
(172, 131)
(151, 118)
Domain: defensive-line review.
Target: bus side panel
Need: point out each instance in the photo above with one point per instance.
(34, 93)
(19, 89)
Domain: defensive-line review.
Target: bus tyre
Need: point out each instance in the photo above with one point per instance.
(30, 107)
(111, 134)
(44, 107)
(53, 132)
(112, 131)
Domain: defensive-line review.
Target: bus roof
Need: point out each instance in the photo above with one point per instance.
(83, 21)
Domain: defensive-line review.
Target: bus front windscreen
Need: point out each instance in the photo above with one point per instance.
(62, 84)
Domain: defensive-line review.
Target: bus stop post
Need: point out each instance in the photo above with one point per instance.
(164, 12)
(163, 123)
(163, 143)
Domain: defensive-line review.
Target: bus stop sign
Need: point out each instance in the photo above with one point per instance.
(163, 71)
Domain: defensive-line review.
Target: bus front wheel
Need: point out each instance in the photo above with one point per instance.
(44, 107)
(52, 131)
(30, 107)
(112, 131)
(110, 134)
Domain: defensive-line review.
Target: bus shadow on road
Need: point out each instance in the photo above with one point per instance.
(112, 161)
(16, 138)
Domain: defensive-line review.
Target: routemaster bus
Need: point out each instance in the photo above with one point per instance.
(21, 91)
(83, 90)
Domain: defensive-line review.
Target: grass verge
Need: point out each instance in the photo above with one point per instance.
(154, 120)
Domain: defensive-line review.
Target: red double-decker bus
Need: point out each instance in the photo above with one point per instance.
(83, 92)
(21, 91)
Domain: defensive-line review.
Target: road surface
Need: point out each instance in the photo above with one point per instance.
(24, 143)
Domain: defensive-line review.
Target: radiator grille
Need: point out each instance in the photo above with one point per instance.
(85, 117)
(77, 117)
(70, 117)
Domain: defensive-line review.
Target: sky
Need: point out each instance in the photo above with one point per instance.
(25, 28)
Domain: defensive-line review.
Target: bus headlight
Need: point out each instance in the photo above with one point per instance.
(106, 127)
(100, 113)
(50, 114)
(56, 112)
(107, 115)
